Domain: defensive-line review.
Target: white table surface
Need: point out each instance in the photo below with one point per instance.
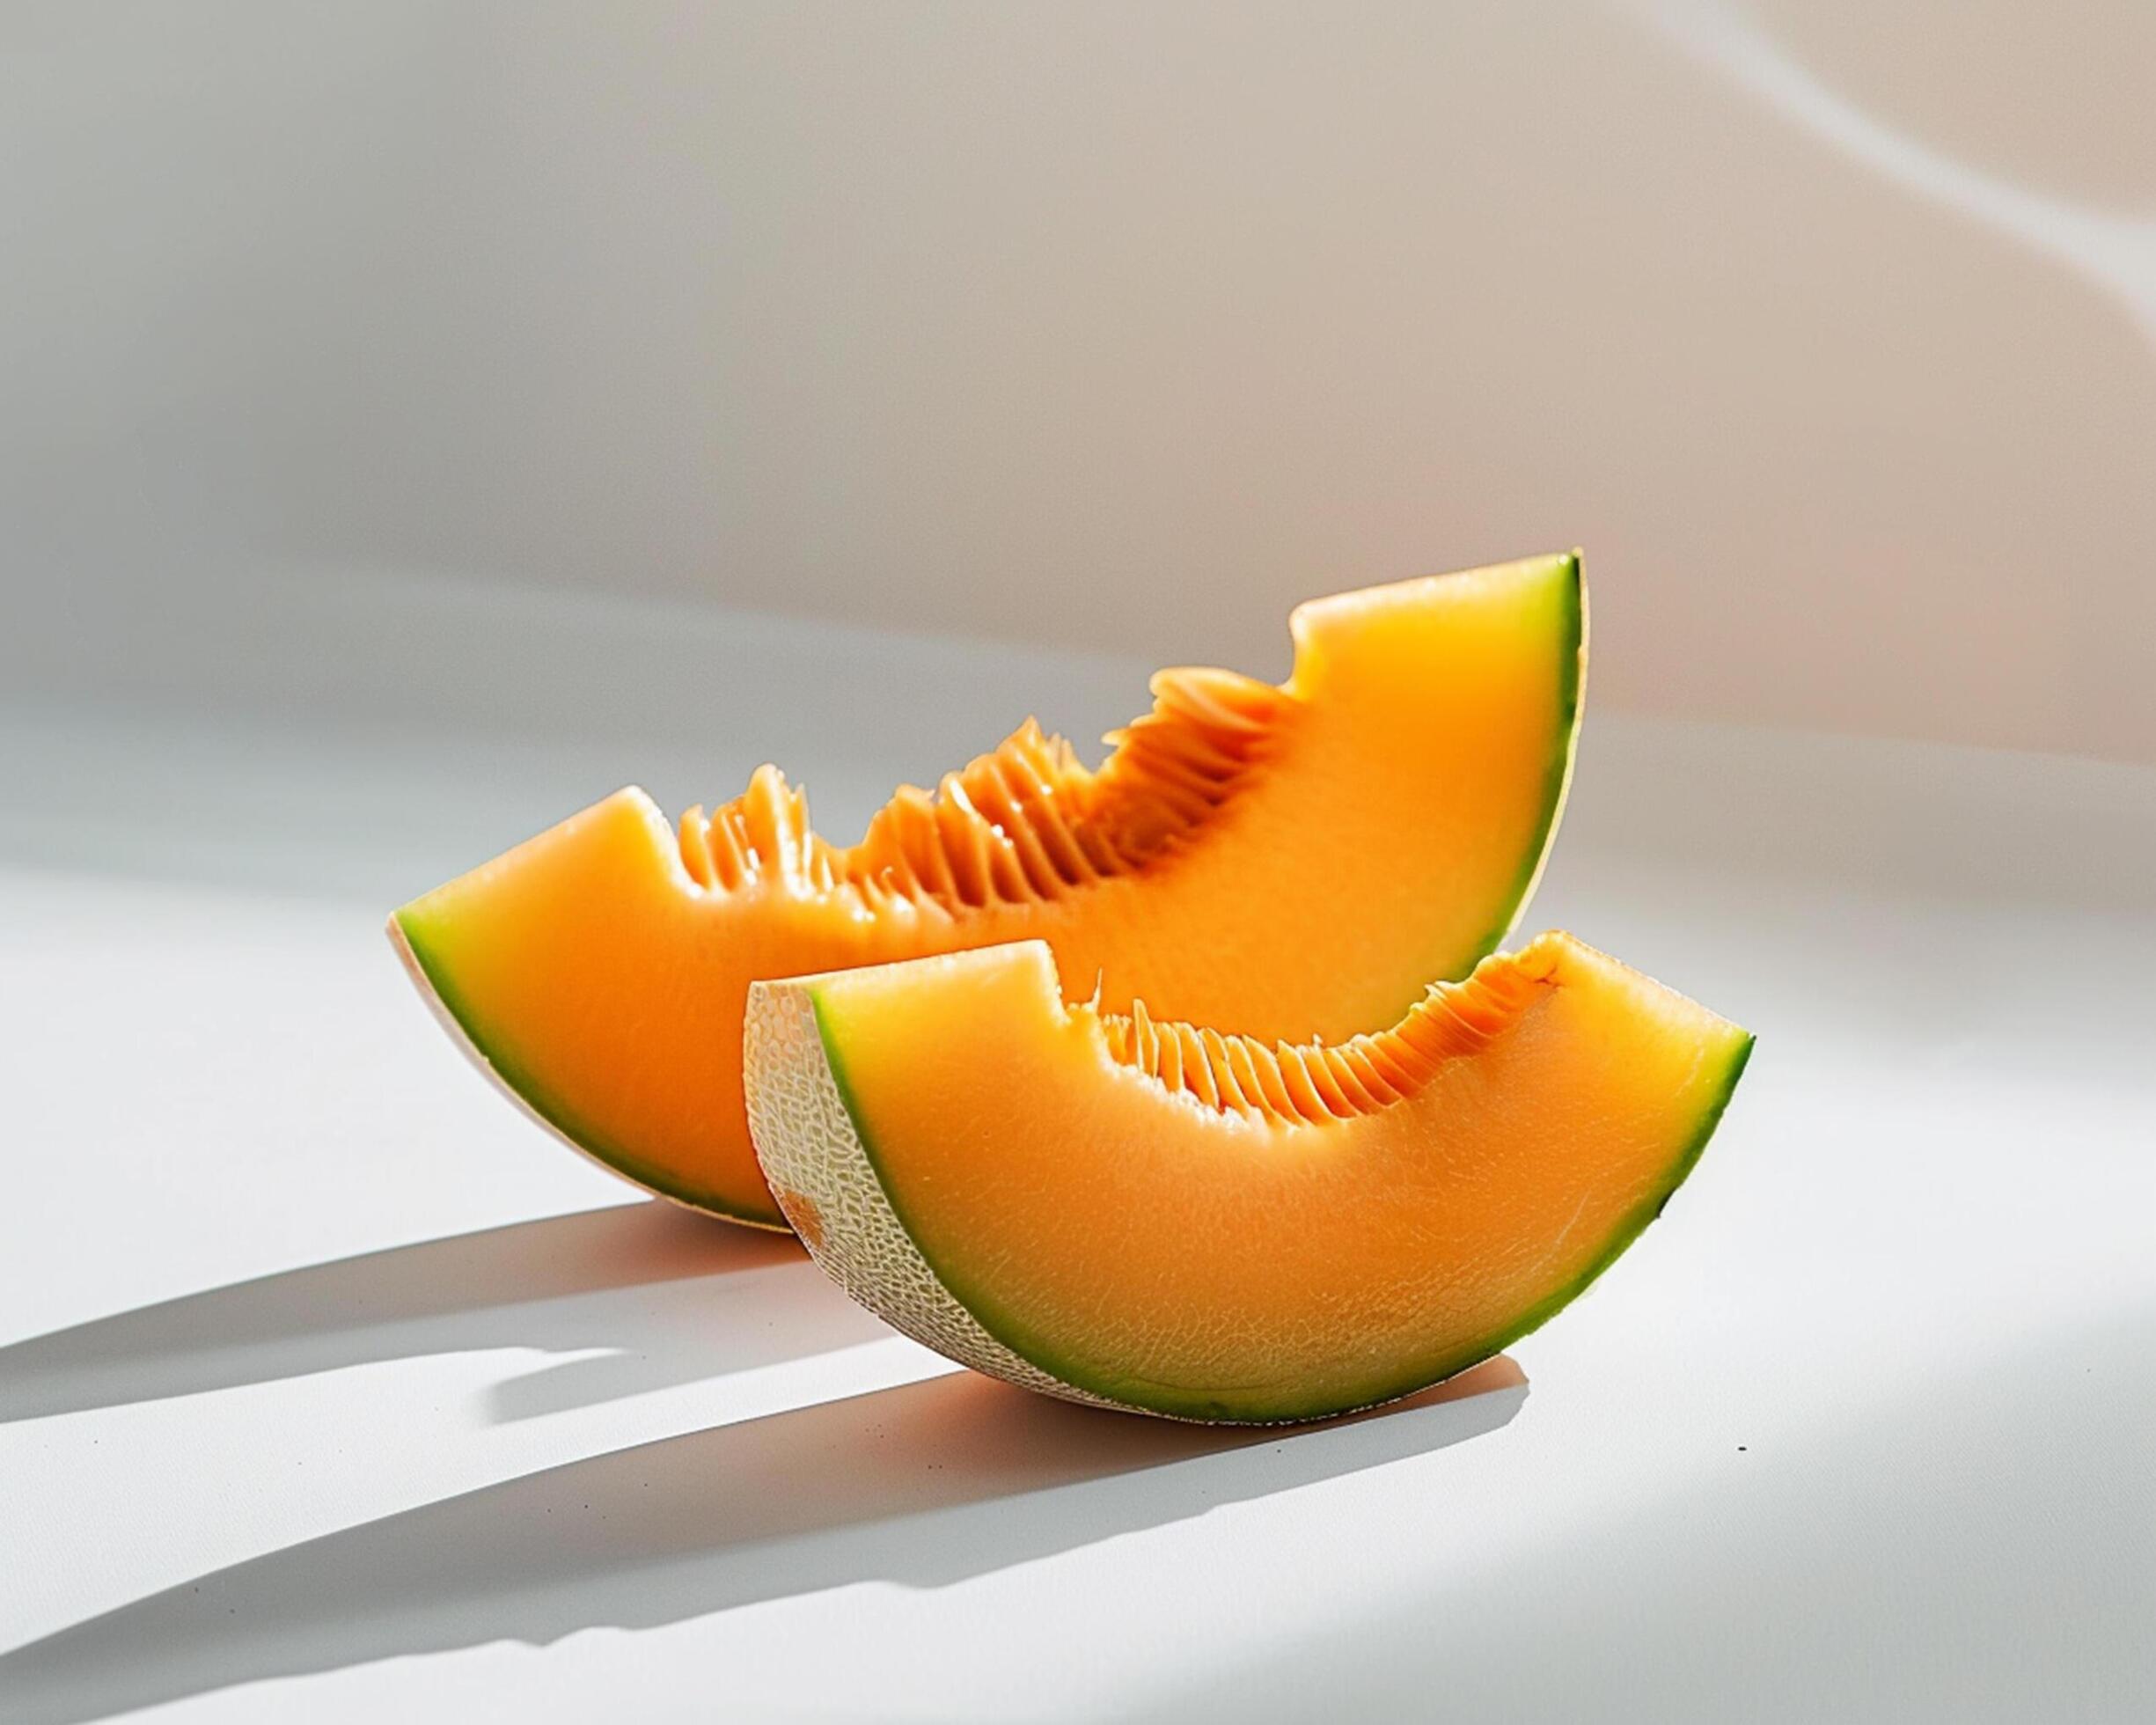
(330, 1389)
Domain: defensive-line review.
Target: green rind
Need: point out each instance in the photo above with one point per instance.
(1629, 1227)
(1143, 1395)
(437, 975)
(1557, 777)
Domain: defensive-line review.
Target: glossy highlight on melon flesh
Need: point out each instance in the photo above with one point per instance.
(1289, 862)
(1149, 1215)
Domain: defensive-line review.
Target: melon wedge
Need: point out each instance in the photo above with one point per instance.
(1398, 794)
(1120, 1210)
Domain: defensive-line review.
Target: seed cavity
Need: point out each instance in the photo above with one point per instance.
(1026, 823)
(1314, 1082)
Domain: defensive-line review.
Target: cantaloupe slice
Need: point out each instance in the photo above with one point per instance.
(1121, 1210)
(1287, 862)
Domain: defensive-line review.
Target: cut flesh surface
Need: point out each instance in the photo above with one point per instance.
(1125, 1210)
(1287, 862)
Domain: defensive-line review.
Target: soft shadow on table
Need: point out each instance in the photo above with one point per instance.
(1975, 1544)
(926, 1483)
(678, 1297)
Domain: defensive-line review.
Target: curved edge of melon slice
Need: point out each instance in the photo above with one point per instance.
(816, 1155)
(1310, 622)
(1316, 624)
(530, 1097)
(1571, 695)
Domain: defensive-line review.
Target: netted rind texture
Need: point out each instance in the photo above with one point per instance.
(822, 1177)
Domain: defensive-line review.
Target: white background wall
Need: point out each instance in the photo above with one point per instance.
(1829, 330)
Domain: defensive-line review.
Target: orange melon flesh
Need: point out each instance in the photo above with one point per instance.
(1170, 1220)
(1288, 861)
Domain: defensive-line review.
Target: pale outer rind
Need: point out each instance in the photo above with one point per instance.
(809, 1148)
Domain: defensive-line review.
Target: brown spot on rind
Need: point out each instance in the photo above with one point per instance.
(800, 1209)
